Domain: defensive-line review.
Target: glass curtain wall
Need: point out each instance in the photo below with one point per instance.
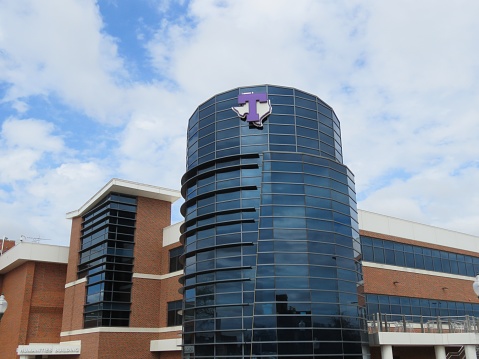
(106, 260)
(270, 233)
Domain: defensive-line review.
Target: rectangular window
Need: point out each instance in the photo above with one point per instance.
(175, 254)
(174, 310)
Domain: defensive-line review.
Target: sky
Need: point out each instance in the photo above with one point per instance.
(94, 90)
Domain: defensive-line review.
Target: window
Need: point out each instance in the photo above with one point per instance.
(174, 316)
(106, 260)
(175, 264)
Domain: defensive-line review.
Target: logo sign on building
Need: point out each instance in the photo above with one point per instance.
(254, 107)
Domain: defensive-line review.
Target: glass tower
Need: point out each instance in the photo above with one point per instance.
(271, 237)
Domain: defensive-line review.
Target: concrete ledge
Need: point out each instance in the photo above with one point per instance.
(36, 252)
(121, 330)
(166, 345)
(157, 276)
(420, 339)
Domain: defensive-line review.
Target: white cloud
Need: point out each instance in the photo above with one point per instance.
(39, 206)
(402, 77)
(23, 144)
(58, 48)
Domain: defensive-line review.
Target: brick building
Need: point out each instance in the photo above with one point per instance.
(279, 263)
(114, 293)
(414, 276)
(32, 276)
(418, 289)
(119, 283)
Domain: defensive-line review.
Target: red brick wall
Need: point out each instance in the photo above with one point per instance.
(145, 308)
(120, 345)
(73, 256)
(7, 244)
(381, 281)
(169, 293)
(47, 303)
(34, 292)
(73, 307)
(17, 286)
(152, 216)
(148, 306)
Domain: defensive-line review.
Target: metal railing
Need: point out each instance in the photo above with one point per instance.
(381, 322)
(460, 354)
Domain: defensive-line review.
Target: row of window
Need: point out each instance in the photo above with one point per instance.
(268, 315)
(289, 350)
(113, 200)
(106, 260)
(206, 126)
(190, 179)
(280, 94)
(406, 255)
(278, 123)
(399, 306)
(324, 138)
(113, 248)
(276, 100)
(273, 182)
(291, 319)
(325, 151)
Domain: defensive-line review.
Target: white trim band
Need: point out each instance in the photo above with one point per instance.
(71, 284)
(121, 330)
(157, 276)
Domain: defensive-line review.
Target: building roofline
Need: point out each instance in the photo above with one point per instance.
(129, 188)
(32, 252)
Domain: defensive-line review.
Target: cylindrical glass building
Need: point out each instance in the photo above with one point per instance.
(271, 235)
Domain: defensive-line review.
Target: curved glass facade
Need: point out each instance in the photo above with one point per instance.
(270, 234)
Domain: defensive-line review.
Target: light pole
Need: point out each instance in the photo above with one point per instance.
(3, 305)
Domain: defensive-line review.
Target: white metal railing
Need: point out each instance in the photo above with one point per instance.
(381, 322)
(460, 354)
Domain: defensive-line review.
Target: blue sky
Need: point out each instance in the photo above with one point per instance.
(91, 90)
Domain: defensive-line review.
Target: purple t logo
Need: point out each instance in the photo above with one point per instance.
(254, 107)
